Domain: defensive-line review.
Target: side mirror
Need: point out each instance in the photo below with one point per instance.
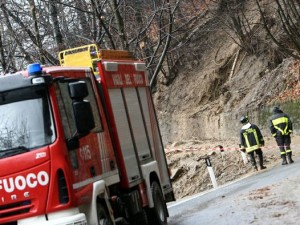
(82, 109)
(83, 117)
(78, 90)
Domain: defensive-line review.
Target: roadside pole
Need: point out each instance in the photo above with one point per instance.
(211, 171)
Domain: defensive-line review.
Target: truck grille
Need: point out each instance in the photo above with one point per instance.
(15, 209)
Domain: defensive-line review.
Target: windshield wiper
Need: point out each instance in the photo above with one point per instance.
(13, 151)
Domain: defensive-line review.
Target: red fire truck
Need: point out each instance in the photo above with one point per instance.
(78, 149)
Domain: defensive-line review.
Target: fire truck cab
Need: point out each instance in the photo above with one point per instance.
(76, 148)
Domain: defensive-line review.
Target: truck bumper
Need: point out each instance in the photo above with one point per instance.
(64, 217)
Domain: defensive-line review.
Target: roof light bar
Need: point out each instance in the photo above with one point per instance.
(34, 69)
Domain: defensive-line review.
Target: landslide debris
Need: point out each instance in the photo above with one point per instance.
(189, 171)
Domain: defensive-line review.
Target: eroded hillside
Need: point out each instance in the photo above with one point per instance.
(218, 81)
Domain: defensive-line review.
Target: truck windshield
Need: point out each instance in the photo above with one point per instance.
(25, 120)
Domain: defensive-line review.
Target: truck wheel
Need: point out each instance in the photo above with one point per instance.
(103, 216)
(139, 218)
(158, 214)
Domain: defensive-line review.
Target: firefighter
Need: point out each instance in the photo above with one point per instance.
(252, 140)
(281, 128)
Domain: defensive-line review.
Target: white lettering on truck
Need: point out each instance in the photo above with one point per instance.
(85, 152)
(117, 79)
(31, 180)
(127, 79)
(138, 79)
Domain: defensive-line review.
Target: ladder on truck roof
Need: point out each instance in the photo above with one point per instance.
(86, 55)
(89, 55)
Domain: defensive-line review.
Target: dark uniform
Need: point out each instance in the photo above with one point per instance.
(252, 140)
(281, 127)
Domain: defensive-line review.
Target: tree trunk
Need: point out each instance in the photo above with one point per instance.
(36, 30)
(15, 36)
(2, 55)
(120, 24)
(56, 28)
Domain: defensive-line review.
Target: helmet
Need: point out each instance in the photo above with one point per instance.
(276, 109)
(244, 119)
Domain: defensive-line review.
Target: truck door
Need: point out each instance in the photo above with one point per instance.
(93, 160)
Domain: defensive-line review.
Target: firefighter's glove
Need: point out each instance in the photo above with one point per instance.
(243, 150)
(262, 143)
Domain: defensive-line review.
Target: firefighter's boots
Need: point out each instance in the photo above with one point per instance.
(284, 162)
(289, 154)
(261, 161)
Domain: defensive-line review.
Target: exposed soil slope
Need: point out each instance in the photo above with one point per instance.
(217, 82)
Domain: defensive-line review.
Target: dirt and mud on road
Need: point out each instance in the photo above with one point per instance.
(274, 203)
(264, 197)
(189, 171)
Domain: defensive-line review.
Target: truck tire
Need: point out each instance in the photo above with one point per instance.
(158, 214)
(140, 218)
(103, 216)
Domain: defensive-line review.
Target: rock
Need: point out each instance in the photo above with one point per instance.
(177, 174)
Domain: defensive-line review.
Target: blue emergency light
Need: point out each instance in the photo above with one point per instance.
(34, 69)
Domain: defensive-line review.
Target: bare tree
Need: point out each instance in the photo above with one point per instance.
(154, 30)
(239, 24)
(55, 24)
(13, 33)
(119, 23)
(37, 37)
(102, 32)
(2, 54)
(34, 39)
(289, 14)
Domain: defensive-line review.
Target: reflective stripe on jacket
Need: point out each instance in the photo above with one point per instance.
(280, 124)
(251, 137)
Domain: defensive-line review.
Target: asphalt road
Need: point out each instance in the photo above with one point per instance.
(269, 196)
